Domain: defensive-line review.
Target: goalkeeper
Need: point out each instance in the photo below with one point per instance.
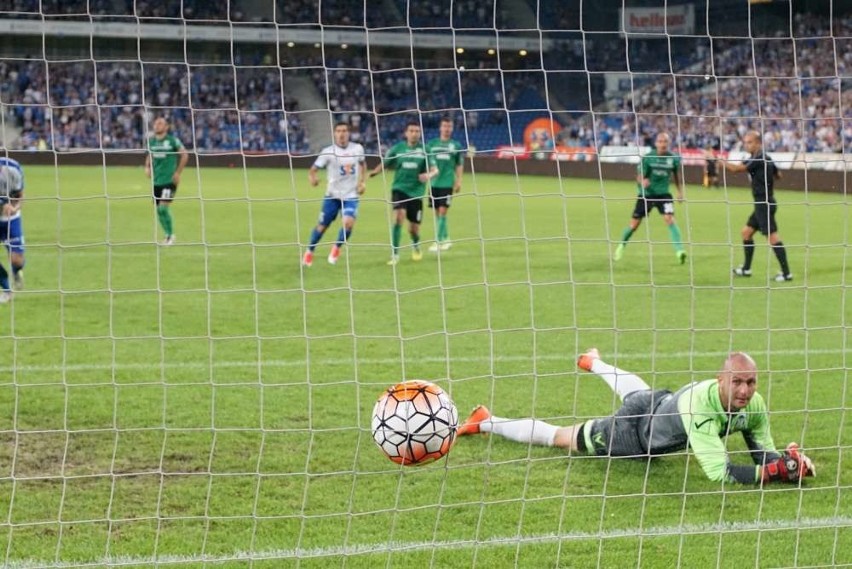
(650, 423)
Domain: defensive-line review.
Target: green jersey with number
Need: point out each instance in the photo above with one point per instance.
(408, 163)
(659, 170)
(165, 153)
(446, 155)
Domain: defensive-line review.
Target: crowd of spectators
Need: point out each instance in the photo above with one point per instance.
(797, 91)
(355, 13)
(380, 102)
(360, 13)
(211, 108)
(556, 15)
(192, 10)
(458, 14)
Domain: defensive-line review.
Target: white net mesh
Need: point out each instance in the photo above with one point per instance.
(207, 403)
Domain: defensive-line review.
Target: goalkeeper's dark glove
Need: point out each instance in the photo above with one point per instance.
(790, 467)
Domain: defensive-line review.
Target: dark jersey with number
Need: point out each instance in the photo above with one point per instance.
(446, 155)
(762, 171)
(658, 169)
(165, 153)
(408, 162)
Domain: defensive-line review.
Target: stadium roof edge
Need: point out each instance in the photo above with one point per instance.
(272, 33)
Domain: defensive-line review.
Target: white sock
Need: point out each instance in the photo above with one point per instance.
(622, 382)
(521, 430)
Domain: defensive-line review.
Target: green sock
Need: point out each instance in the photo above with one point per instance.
(443, 234)
(415, 239)
(395, 237)
(160, 217)
(675, 233)
(165, 216)
(626, 235)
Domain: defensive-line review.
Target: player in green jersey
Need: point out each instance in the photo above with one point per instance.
(411, 172)
(445, 154)
(166, 159)
(656, 170)
(651, 423)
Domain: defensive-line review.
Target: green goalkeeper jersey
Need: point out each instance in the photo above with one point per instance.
(165, 153)
(694, 416)
(408, 163)
(446, 155)
(659, 170)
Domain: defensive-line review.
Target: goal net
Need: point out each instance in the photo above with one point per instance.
(206, 400)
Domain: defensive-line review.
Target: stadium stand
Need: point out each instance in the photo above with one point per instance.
(755, 84)
(464, 14)
(704, 94)
(395, 94)
(117, 10)
(69, 105)
(333, 13)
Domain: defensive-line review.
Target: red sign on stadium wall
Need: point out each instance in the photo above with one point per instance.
(678, 20)
(575, 153)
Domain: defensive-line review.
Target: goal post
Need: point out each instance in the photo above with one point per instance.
(207, 401)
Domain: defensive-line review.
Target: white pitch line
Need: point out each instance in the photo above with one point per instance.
(400, 547)
(301, 362)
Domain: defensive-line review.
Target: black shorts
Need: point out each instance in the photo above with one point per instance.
(619, 434)
(164, 193)
(763, 218)
(413, 206)
(662, 203)
(440, 197)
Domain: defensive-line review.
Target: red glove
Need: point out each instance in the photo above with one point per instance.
(791, 467)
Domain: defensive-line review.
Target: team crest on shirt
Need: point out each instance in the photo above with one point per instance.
(740, 421)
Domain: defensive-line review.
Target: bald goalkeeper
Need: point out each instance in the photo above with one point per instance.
(650, 423)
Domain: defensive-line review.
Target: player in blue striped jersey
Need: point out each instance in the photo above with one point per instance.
(11, 228)
(344, 161)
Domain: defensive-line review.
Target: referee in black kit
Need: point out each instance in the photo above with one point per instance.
(763, 173)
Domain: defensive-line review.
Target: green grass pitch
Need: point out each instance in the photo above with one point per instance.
(208, 404)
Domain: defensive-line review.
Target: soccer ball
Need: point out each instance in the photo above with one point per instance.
(414, 422)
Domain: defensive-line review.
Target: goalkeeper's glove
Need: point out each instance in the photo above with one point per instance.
(790, 467)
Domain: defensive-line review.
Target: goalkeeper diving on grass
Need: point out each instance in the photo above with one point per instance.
(656, 422)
